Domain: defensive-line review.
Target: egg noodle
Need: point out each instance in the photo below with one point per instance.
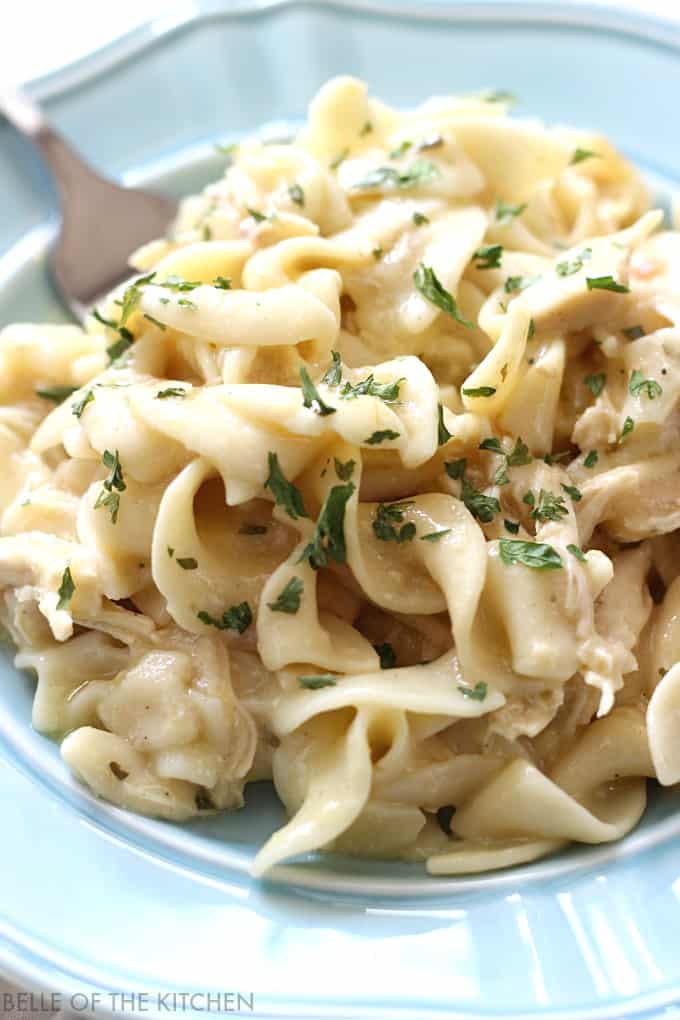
(369, 483)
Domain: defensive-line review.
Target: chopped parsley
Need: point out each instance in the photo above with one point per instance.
(427, 282)
(575, 551)
(511, 526)
(628, 427)
(443, 434)
(333, 374)
(550, 507)
(596, 383)
(284, 492)
(366, 129)
(389, 392)
(156, 322)
(337, 160)
(418, 173)
(115, 351)
(78, 406)
(132, 296)
(480, 506)
(520, 455)
(328, 541)
(591, 459)
(633, 332)
(378, 252)
(476, 693)
(505, 212)
(575, 494)
(479, 391)
(579, 155)
(435, 536)
(57, 394)
(488, 256)
(531, 330)
(639, 385)
(455, 468)
(516, 284)
(222, 283)
(178, 284)
(187, 562)
(344, 471)
(107, 497)
(570, 266)
(311, 397)
(289, 599)
(237, 618)
(66, 589)
(420, 218)
(316, 681)
(256, 215)
(387, 655)
(172, 391)
(401, 150)
(388, 523)
(380, 436)
(529, 498)
(536, 555)
(605, 283)
(297, 195)
(185, 302)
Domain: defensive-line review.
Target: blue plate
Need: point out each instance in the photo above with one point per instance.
(97, 902)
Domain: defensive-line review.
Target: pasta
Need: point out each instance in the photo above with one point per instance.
(368, 484)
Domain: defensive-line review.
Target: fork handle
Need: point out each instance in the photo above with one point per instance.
(68, 169)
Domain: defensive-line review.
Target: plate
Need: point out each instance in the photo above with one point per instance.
(97, 903)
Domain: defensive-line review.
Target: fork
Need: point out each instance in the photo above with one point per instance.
(101, 222)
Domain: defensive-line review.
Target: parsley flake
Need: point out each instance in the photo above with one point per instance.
(633, 332)
(479, 391)
(66, 589)
(591, 459)
(172, 391)
(288, 601)
(297, 195)
(107, 497)
(480, 506)
(344, 471)
(222, 283)
(628, 427)
(516, 284)
(237, 618)
(605, 283)
(427, 282)
(596, 383)
(337, 160)
(488, 256)
(476, 693)
(315, 682)
(536, 555)
(443, 434)
(639, 385)
(311, 397)
(570, 266)
(579, 155)
(550, 507)
(387, 516)
(187, 562)
(421, 171)
(284, 492)
(574, 494)
(78, 406)
(505, 212)
(333, 374)
(56, 394)
(575, 551)
(511, 526)
(419, 219)
(435, 536)
(380, 436)
(389, 392)
(328, 541)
